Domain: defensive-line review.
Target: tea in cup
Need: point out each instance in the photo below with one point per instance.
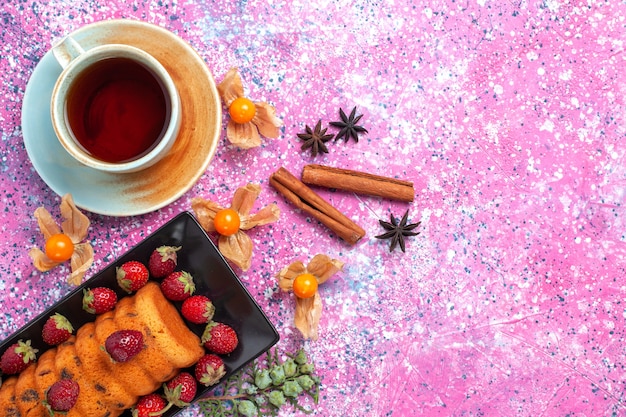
(114, 107)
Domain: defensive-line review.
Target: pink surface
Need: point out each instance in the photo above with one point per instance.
(509, 119)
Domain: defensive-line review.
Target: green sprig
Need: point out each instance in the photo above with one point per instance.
(264, 387)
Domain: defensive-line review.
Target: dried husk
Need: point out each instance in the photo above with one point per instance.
(244, 198)
(243, 201)
(80, 262)
(238, 247)
(205, 211)
(308, 311)
(247, 135)
(288, 274)
(267, 214)
(41, 261)
(243, 135)
(266, 121)
(323, 267)
(46, 223)
(307, 316)
(231, 86)
(75, 225)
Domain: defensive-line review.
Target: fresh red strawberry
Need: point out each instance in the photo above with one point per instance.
(132, 275)
(17, 357)
(99, 300)
(198, 309)
(209, 369)
(149, 404)
(181, 390)
(178, 286)
(163, 261)
(219, 338)
(122, 345)
(62, 395)
(56, 330)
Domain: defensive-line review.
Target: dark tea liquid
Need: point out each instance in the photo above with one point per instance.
(117, 110)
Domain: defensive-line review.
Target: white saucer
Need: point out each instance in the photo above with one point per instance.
(157, 186)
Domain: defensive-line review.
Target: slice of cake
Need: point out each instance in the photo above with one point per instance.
(26, 396)
(45, 373)
(118, 397)
(70, 366)
(131, 374)
(67, 367)
(182, 347)
(8, 408)
(153, 360)
(98, 376)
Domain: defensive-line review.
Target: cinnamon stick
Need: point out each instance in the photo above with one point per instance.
(311, 203)
(358, 182)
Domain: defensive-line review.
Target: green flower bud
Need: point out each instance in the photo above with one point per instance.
(307, 368)
(290, 368)
(262, 379)
(252, 389)
(247, 408)
(276, 398)
(292, 389)
(301, 357)
(305, 382)
(277, 373)
(260, 400)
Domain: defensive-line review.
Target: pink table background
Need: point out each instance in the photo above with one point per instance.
(508, 117)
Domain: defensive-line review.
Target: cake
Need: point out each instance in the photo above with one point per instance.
(137, 381)
(8, 407)
(155, 361)
(69, 366)
(107, 388)
(27, 397)
(167, 328)
(45, 372)
(111, 396)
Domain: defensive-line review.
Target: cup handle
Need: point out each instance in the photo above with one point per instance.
(66, 51)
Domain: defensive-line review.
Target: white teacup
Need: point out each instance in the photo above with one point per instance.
(114, 107)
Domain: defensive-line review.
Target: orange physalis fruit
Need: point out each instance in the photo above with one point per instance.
(242, 110)
(59, 247)
(227, 222)
(305, 285)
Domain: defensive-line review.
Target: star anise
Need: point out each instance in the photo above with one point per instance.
(315, 139)
(348, 126)
(398, 231)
